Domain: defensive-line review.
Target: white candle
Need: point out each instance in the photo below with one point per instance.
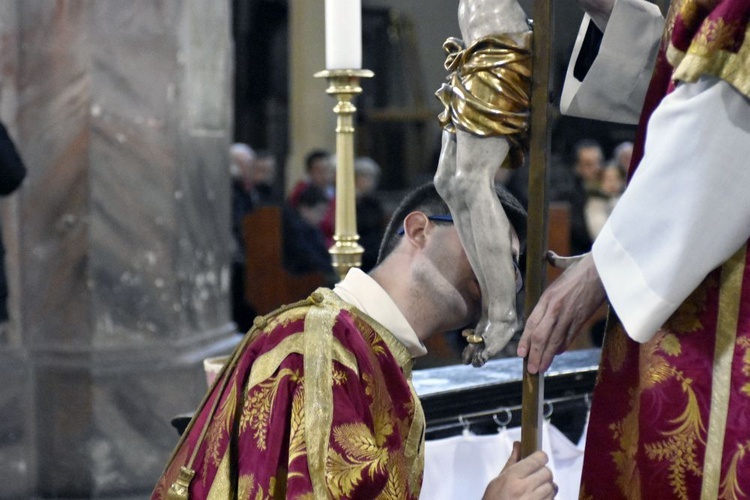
(343, 34)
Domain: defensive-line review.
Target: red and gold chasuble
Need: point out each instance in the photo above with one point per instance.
(315, 403)
(671, 418)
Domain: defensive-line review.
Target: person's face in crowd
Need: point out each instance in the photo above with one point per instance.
(589, 164)
(624, 157)
(445, 274)
(314, 215)
(243, 164)
(321, 172)
(612, 181)
(264, 171)
(364, 183)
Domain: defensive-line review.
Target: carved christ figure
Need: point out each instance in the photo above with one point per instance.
(485, 123)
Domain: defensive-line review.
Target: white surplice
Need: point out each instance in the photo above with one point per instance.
(687, 209)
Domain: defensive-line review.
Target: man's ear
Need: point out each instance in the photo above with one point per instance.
(415, 225)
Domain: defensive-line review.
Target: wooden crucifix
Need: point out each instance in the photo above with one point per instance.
(486, 123)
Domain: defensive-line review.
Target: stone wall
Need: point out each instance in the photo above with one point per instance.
(122, 113)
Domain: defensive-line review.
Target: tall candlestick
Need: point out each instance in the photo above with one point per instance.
(343, 34)
(343, 85)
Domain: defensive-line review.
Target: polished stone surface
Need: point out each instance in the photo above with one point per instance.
(444, 381)
(122, 112)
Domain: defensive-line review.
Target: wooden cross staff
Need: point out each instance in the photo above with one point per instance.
(539, 152)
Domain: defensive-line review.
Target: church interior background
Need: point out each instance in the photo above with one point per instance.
(118, 243)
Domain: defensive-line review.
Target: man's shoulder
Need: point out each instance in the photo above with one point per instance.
(321, 313)
(321, 309)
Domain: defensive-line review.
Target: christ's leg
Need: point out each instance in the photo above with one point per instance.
(465, 180)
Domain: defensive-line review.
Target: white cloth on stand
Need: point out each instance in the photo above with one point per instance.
(461, 467)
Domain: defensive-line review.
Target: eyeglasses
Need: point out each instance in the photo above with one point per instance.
(448, 218)
(434, 218)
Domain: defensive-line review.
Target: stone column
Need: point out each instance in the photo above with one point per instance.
(121, 111)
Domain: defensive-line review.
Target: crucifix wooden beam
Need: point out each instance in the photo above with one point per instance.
(539, 153)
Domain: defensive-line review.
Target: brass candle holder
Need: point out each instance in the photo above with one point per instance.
(343, 85)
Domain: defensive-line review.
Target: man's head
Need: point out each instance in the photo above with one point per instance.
(264, 169)
(423, 265)
(366, 175)
(241, 158)
(426, 199)
(622, 154)
(312, 205)
(588, 160)
(319, 168)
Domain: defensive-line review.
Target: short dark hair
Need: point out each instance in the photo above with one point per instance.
(586, 144)
(426, 199)
(313, 156)
(311, 196)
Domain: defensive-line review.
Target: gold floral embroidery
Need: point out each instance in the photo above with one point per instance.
(339, 377)
(396, 485)
(222, 424)
(617, 347)
(671, 345)
(688, 12)
(362, 454)
(625, 433)
(365, 451)
(686, 318)
(245, 485)
(730, 487)
(714, 35)
(381, 416)
(679, 447)
(674, 9)
(297, 446)
(371, 337)
(257, 408)
(744, 343)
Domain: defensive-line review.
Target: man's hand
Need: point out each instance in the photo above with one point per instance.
(565, 306)
(526, 479)
(599, 10)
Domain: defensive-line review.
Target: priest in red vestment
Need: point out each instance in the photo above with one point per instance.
(317, 400)
(671, 410)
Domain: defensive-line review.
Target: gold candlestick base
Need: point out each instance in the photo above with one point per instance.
(343, 85)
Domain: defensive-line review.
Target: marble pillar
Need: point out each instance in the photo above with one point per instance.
(122, 112)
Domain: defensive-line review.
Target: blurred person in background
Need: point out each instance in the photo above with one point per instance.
(305, 249)
(371, 218)
(12, 174)
(241, 157)
(602, 201)
(320, 171)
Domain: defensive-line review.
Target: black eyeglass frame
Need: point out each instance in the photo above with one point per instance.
(448, 218)
(434, 218)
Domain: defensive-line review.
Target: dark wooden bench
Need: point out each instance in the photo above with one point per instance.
(267, 284)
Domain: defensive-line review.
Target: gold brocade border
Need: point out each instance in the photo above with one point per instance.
(415, 439)
(734, 68)
(414, 442)
(266, 364)
(732, 273)
(398, 350)
(318, 387)
(221, 487)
